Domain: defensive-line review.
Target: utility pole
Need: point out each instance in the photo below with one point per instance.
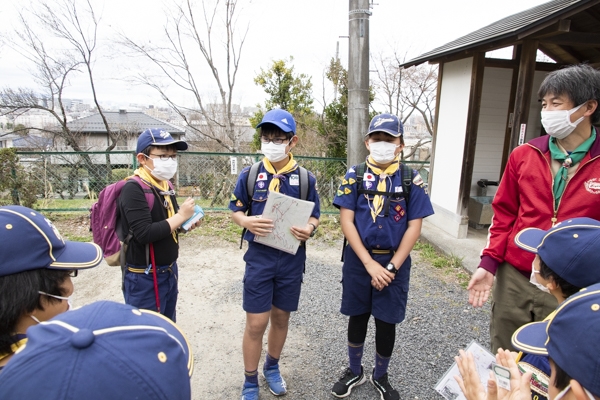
(358, 80)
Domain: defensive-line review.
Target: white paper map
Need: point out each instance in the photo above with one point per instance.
(285, 211)
(448, 387)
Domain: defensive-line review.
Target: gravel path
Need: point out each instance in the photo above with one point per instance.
(439, 321)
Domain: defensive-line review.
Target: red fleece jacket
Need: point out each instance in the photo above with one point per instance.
(525, 199)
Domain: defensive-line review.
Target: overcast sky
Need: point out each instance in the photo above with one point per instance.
(308, 30)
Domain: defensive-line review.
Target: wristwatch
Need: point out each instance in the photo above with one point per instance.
(391, 268)
(314, 229)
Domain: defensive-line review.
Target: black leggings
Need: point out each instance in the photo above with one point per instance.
(385, 333)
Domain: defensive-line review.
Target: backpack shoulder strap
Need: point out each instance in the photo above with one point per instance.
(407, 178)
(148, 192)
(251, 181)
(303, 172)
(360, 173)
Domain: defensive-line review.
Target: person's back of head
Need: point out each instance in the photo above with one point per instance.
(104, 350)
(569, 338)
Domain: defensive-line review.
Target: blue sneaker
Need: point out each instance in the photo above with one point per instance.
(275, 381)
(250, 393)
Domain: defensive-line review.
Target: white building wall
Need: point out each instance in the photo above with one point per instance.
(493, 119)
(449, 147)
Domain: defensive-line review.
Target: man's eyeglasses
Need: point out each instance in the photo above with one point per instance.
(163, 157)
(274, 140)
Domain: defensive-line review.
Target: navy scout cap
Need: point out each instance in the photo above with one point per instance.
(29, 241)
(158, 137)
(280, 118)
(388, 123)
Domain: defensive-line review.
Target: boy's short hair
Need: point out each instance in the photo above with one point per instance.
(569, 248)
(104, 350)
(19, 295)
(569, 337)
(279, 118)
(579, 83)
(270, 129)
(565, 287)
(148, 149)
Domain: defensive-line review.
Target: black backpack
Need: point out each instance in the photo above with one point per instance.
(251, 182)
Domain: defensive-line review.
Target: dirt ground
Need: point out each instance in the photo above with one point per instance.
(209, 308)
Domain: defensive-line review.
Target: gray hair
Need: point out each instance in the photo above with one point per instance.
(579, 83)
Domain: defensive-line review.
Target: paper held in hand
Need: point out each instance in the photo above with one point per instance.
(484, 361)
(285, 211)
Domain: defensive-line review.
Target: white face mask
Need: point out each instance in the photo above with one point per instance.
(274, 152)
(163, 169)
(383, 152)
(533, 280)
(557, 123)
(565, 390)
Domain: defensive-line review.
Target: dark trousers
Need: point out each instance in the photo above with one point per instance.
(515, 302)
(138, 289)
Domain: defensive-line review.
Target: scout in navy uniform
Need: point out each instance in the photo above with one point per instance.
(381, 230)
(273, 278)
(36, 266)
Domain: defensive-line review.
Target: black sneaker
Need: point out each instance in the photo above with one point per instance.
(343, 387)
(386, 390)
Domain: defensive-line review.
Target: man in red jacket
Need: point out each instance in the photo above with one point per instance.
(549, 179)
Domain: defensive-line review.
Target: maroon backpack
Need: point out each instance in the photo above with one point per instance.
(104, 219)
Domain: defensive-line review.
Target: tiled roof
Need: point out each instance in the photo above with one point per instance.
(134, 120)
(511, 26)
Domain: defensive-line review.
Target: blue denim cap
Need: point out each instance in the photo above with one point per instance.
(570, 248)
(388, 123)
(28, 241)
(158, 137)
(280, 118)
(104, 350)
(568, 337)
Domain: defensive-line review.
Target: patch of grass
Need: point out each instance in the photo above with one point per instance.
(219, 225)
(76, 238)
(448, 264)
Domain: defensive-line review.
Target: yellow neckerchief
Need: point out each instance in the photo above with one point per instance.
(163, 186)
(289, 167)
(14, 347)
(378, 200)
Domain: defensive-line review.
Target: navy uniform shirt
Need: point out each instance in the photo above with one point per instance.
(386, 232)
(289, 185)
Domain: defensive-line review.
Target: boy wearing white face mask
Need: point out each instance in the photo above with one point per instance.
(155, 231)
(381, 226)
(273, 278)
(549, 179)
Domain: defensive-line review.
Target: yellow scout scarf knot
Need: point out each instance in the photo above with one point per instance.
(165, 191)
(279, 175)
(378, 200)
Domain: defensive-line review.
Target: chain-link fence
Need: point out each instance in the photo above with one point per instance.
(68, 181)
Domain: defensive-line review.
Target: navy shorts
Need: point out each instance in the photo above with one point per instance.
(272, 278)
(359, 297)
